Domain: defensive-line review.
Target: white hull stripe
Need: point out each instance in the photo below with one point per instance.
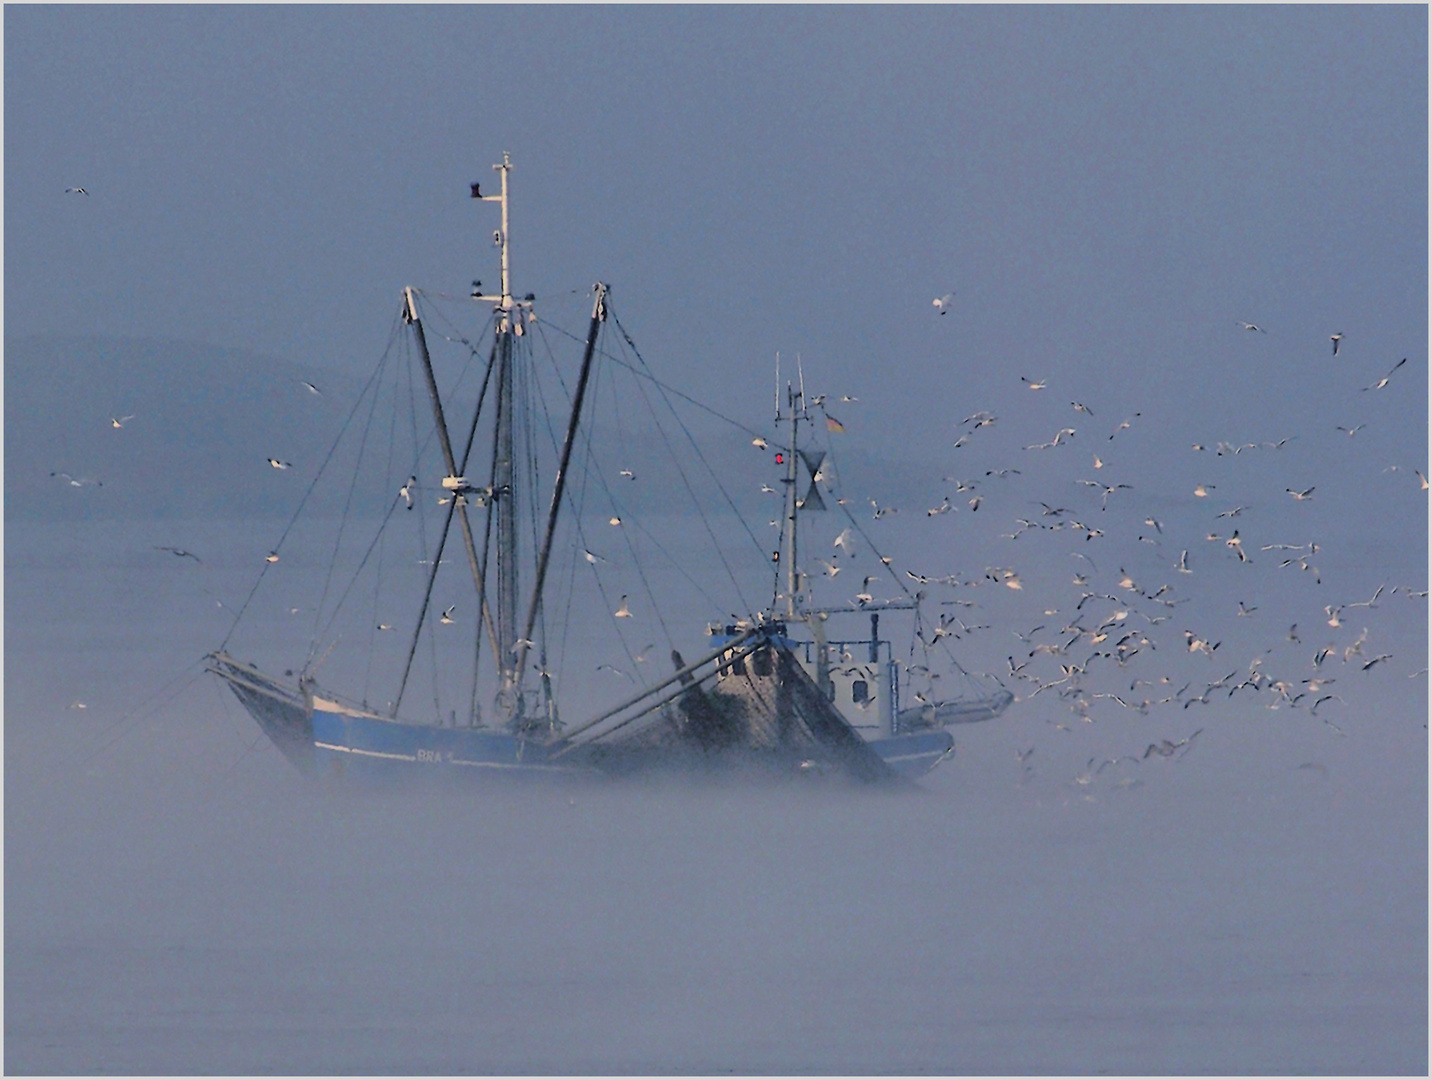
(446, 761)
(365, 753)
(921, 754)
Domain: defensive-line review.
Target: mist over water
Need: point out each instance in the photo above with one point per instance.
(178, 899)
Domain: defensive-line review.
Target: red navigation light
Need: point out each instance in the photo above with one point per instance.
(780, 459)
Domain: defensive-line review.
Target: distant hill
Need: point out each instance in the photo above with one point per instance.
(203, 420)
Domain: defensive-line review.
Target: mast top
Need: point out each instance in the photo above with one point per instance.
(504, 301)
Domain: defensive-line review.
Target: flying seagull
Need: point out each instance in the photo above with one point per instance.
(1370, 603)
(120, 421)
(1166, 748)
(942, 303)
(75, 191)
(180, 552)
(1335, 339)
(1383, 381)
(1126, 423)
(1108, 489)
(1058, 437)
(77, 481)
(623, 612)
(1250, 326)
(1235, 543)
(277, 464)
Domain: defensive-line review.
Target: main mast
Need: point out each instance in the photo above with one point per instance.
(504, 504)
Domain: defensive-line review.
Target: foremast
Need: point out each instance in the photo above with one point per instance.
(788, 557)
(791, 596)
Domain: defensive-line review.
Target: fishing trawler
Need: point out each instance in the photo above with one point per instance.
(768, 690)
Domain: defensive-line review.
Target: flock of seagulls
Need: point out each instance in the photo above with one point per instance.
(1116, 634)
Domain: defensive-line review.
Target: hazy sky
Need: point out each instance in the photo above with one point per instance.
(1106, 189)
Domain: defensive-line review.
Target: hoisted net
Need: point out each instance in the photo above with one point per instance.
(764, 710)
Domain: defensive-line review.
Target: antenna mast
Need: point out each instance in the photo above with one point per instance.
(795, 399)
(504, 301)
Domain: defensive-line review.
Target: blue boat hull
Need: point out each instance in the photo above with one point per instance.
(329, 740)
(915, 754)
(360, 747)
(363, 748)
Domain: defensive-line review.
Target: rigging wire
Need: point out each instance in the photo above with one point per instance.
(484, 617)
(372, 384)
(422, 444)
(568, 565)
(528, 430)
(299, 510)
(888, 564)
(374, 620)
(576, 500)
(686, 481)
(618, 361)
(186, 677)
(592, 467)
(605, 378)
(644, 372)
